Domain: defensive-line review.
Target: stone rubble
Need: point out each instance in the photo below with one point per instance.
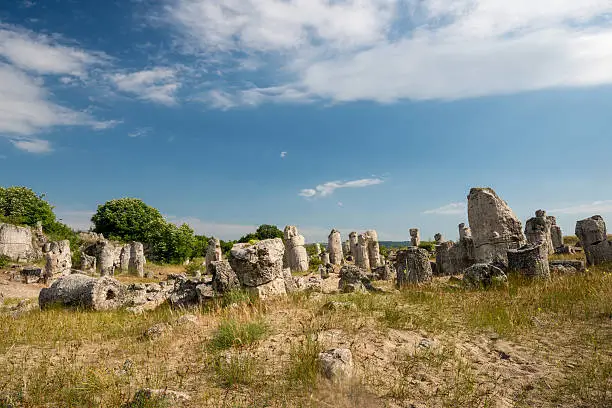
(483, 276)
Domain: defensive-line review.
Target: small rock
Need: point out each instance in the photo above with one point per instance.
(334, 306)
(156, 331)
(337, 364)
(187, 319)
(142, 397)
(425, 343)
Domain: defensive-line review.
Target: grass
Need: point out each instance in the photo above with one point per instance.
(304, 362)
(232, 333)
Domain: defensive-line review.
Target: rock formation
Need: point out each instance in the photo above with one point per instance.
(438, 238)
(539, 229)
(334, 246)
(224, 278)
(324, 257)
(593, 238)
(530, 260)
(495, 228)
(136, 261)
(412, 266)
(78, 290)
(336, 364)
(317, 247)
(213, 252)
(415, 237)
(361, 252)
(452, 258)
(111, 256)
(58, 258)
(354, 279)
(353, 243)
(556, 235)
(17, 243)
(482, 276)
(259, 267)
(295, 252)
(373, 249)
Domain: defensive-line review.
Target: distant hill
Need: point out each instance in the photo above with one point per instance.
(394, 244)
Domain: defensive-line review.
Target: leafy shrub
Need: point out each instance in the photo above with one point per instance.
(428, 245)
(196, 264)
(4, 261)
(22, 206)
(265, 231)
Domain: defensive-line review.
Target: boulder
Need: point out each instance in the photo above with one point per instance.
(593, 238)
(354, 279)
(273, 288)
(58, 258)
(31, 274)
(539, 229)
(224, 278)
(494, 226)
(336, 364)
(530, 260)
(184, 292)
(214, 252)
(412, 266)
(382, 273)
(566, 266)
(482, 276)
(78, 290)
(141, 297)
(362, 259)
(258, 264)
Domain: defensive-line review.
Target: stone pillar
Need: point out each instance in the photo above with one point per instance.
(137, 259)
(415, 237)
(593, 238)
(324, 257)
(530, 261)
(361, 256)
(412, 266)
(295, 252)
(464, 232)
(495, 228)
(58, 258)
(538, 229)
(107, 258)
(124, 258)
(444, 259)
(334, 246)
(439, 238)
(373, 249)
(213, 252)
(353, 243)
(556, 235)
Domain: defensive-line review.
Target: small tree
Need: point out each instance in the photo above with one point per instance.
(127, 219)
(22, 206)
(264, 231)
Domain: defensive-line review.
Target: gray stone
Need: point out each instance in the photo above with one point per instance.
(539, 229)
(593, 237)
(137, 259)
(83, 291)
(464, 231)
(274, 288)
(156, 331)
(31, 274)
(412, 266)
(184, 292)
(224, 279)
(373, 249)
(415, 237)
(482, 276)
(213, 252)
(158, 397)
(361, 252)
(438, 238)
(324, 257)
(295, 253)
(58, 258)
(556, 235)
(530, 260)
(353, 279)
(205, 292)
(88, 263)
(382, 273)
(16, 243)
(495, 228)
(334, 247)
(353, 243)
(566, 266)
(337, 364)
(259, 263)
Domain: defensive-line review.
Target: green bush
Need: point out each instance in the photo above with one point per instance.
(428, 245)
(265, 231)
(22, 206)
(232, 333)
(4, 261)
(196, 264)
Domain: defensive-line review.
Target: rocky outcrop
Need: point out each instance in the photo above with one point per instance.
(412, 266)
(78, 290)
(566, 266)
(336, 364)
(415, 237)
(259, 267)
(324, 256)
(556, 235)
(539, 230)
(224, 278)
(438, 238)
(495, 228)
(58, 258)
(593, 237)
(452, 258)
(112, 256)
(530, 260)
(354, 279)
(353, 240)
(373, 249)
(361, 252)
(483, 276)
(334, 247)
(17, 243)
(295, 252)
(213, 252)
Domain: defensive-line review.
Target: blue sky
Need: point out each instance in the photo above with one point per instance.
(347, 114)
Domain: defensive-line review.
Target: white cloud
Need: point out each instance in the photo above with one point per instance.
(388, 50)
(43, 55)
(157, 85)
(283, 155)
(596, 207)
(37, 146)
(140, 132)
(326, 189)
(449, 209)
(340, 204)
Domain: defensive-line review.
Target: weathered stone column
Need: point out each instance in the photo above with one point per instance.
(324, 257)
(593, 238)
(58, 258)
(415, 237)
(334, 246)
(556, 235)
(361, 257)
(438, 238)
(353, 243)
(137, 259)
(530, 260)
(412, 266)
(295, 252)
(107, 258)
(495, 228)
(213, 252)
(317, 249)
(538, 229)
(464, 231)
(373, 249)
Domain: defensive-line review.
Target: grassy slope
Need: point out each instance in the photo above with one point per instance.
(530, 344)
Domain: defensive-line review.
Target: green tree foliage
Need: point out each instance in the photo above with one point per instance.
(265, 231)
(127, 219)
(22, 206)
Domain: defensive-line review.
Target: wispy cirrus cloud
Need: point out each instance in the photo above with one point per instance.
(596, 207)
(327, 189)
(448, 209)
(158, 85)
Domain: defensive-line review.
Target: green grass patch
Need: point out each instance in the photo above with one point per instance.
(232, 333)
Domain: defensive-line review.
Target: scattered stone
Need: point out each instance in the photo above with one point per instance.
(425, 343)
(495, 229)
(415, 237)
(78, 290)
(334, 246)
(483, 276)
(530, 260)
(31, 274)
(337, 364)
(593, 238)
(156, 331)
(309, 283)
(412, 266)
(564, 267)
(187, 320)
(224, 279)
